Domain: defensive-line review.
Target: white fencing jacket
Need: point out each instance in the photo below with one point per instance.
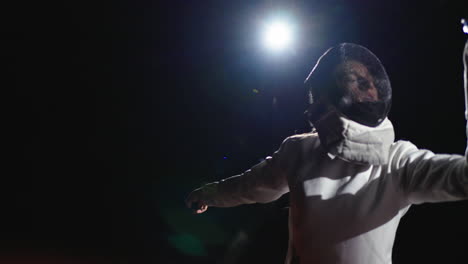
(348, 194)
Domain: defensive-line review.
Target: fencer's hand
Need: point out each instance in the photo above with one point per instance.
(195, 201)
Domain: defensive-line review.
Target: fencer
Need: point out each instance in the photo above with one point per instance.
(349, 181)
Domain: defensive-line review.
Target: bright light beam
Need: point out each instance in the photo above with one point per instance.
(277, 36)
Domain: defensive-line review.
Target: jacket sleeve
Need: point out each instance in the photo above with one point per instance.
(428, 177)
(264, 182)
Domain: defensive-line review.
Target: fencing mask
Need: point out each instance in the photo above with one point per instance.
(350, 79)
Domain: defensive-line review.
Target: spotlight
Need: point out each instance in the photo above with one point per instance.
(277, 36)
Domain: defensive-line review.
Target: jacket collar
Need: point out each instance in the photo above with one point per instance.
(354, 142)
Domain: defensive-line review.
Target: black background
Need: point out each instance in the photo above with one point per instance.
(120, 108)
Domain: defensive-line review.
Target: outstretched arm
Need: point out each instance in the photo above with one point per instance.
(427, 177)
(265, 182)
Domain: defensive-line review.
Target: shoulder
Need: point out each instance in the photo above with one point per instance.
(401, 146)
(306, 138)
(403, 152)
(399, 149)
(301, 142)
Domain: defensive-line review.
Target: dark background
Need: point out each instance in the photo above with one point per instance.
(120, 108)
